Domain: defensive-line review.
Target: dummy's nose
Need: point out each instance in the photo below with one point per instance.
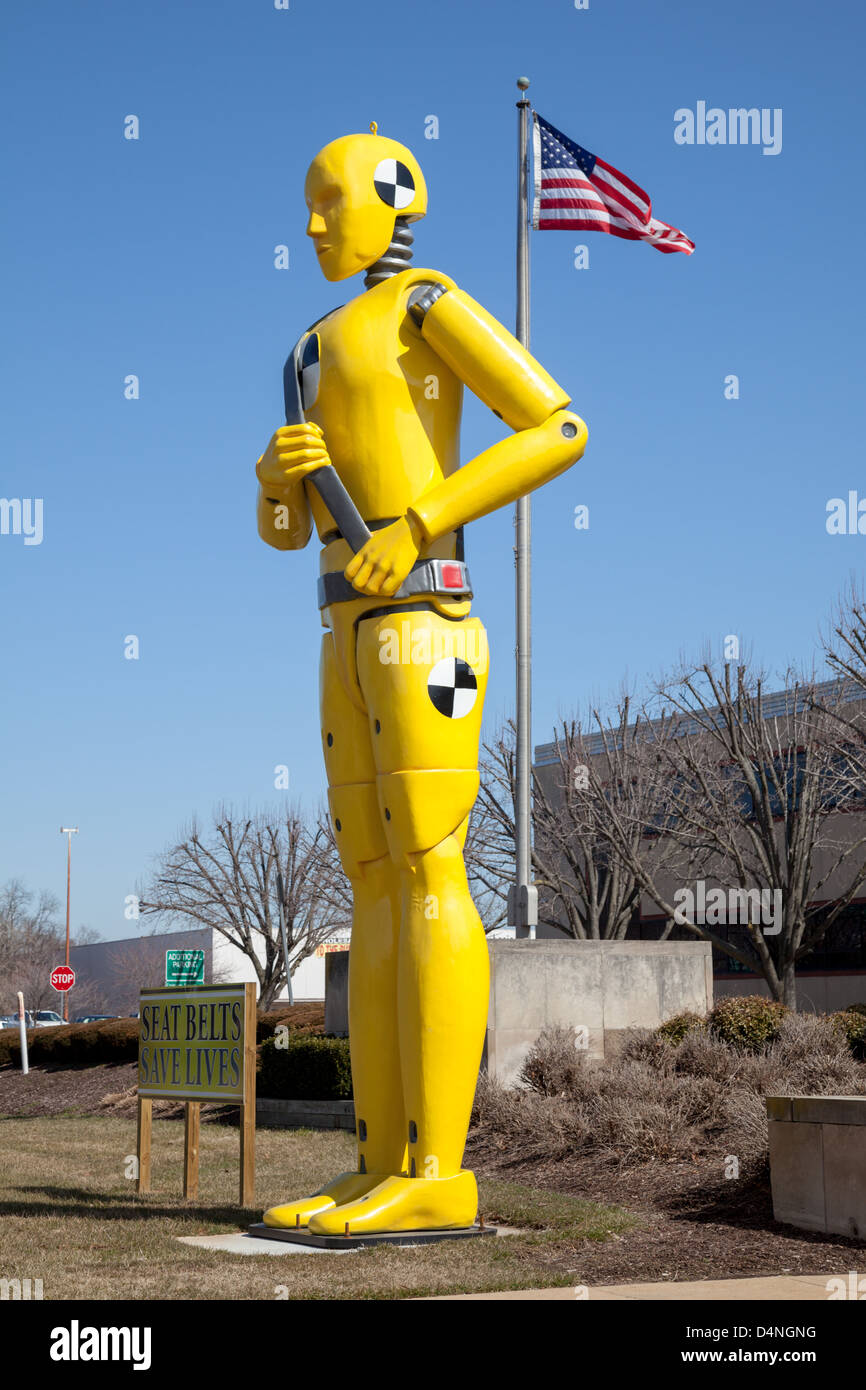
(316, 225)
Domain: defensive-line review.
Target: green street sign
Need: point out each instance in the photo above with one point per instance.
(184, 967)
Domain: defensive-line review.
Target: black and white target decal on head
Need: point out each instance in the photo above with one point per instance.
(452, 687)
(394, 183)
(308, 370)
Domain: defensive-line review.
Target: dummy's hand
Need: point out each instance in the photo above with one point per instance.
(383, 563)
(294, 451)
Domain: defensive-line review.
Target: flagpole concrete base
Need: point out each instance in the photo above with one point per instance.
(601, 989)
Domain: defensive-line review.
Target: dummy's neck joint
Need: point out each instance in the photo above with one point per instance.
(395, 258)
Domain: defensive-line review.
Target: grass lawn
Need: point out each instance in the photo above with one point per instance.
(69, 1216)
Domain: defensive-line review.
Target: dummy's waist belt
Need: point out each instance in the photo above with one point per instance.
(447, 578)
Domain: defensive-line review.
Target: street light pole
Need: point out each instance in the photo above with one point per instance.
(68, 831)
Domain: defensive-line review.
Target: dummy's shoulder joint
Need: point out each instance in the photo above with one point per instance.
(422, 299)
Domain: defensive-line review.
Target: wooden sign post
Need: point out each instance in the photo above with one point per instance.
(196, 1044)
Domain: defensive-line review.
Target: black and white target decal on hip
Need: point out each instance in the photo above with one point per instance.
(394, 183)
(452, 687)
(308, 370)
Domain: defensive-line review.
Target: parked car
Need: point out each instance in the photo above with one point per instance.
(11, 1020)
(95, 1018)
(47, 1018)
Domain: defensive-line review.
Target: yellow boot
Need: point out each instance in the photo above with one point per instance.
(404, 1204)
(345, 1188)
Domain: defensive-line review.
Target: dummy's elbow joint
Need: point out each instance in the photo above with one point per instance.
(571, 430)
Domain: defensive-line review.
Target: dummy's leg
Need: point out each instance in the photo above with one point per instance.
(373, 1027)
(429, 715)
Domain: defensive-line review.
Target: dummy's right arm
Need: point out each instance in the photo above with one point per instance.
(284, 517)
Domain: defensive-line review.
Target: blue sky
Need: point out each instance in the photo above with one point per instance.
(155, 257)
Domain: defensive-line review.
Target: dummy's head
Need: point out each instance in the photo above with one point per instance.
(355, 189)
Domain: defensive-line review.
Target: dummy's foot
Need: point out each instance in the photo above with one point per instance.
(345, 1188)
(403, 1204)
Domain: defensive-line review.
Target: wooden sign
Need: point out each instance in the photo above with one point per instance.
(195, 1044)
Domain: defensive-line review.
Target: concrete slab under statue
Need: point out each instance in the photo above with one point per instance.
(302, 1236)
(599, 988)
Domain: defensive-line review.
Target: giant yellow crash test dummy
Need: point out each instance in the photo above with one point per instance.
(379, 384)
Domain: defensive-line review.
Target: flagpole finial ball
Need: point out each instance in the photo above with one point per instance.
(523, 83)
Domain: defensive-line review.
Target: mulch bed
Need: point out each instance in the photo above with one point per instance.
(62, 1090)
(694, 1224)
(104, 1090)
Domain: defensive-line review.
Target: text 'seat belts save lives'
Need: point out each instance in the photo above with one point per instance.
(444, 577)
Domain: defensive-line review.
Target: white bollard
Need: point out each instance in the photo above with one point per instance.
(22, 1029)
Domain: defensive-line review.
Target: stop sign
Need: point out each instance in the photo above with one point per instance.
(62, 977)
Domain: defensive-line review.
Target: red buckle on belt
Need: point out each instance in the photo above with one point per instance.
(452, 576)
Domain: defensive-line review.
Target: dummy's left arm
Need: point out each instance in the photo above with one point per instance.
(548, 438)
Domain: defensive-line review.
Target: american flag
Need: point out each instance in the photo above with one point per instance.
(574, 190)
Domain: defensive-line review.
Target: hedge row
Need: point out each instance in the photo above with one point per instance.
(300, 1067)
(78, 1044)
(300, 1018)
(116, 1040)
(751, 1022)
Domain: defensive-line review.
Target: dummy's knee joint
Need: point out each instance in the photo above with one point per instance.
(357, 826)
(421, 808)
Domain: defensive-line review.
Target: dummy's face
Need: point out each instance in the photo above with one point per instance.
(350, 226)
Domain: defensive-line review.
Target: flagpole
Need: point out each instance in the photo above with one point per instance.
(523, 898)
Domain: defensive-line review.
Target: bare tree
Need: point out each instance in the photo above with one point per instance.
(19, 921)
(235, 876)
(490, 844)
(135, 965)
(31, 944)
(754, 792)
(586, 889)
(845, 644)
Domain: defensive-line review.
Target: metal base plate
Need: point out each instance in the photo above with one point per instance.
(301, 1236)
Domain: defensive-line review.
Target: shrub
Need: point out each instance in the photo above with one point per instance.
(116, 1040)
(851, 1023)
(552, 1062)
(310, 1068)
(747, 1021)
(78, 1044)
(657, 1100)
(673, 1030)
(855, 1009)
(645, 1045)
(299, 1018)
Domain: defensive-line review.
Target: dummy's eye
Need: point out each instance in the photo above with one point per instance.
(394, 183)
(326, 199)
